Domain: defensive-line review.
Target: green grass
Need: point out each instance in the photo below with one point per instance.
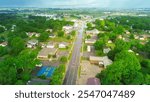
(79, 72)
(84, 47)
(59, 39)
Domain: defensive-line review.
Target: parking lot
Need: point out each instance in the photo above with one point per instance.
(88, 70)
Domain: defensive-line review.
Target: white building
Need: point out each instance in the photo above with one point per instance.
(88, 48)
(106, 50)
(90, 41)
(68, 29)
(32, 43)
(63, 45)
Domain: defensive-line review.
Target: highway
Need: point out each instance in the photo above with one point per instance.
(72, 70)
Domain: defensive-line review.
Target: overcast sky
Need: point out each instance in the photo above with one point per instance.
(77, 3)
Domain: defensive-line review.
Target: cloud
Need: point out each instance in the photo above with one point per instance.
(76, 3)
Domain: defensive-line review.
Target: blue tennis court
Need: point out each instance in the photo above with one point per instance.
(47, 71)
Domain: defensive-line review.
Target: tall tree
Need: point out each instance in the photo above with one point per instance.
(17, 45)
(125, 70)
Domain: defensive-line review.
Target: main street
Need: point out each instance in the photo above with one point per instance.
(72, 70)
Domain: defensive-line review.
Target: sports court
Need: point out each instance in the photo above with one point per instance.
(47, 71)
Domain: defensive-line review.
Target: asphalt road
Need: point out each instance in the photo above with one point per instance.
(72, 72)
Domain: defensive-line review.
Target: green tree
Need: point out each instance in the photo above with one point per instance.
(2, 29)
(146, 66)
(132, 36)
(43, 37)
(17, 45)
(88, 37)
(121, 45)
(26, 60)
(3, 51)
(111, 54)
(119, 30)
(63, 59)
(8, 72)
(61, 33)
(73, 33)
(68, 37)
(19, 82)
(25, 76)
(147, 48)
(89, 26)
(58, 75)
(2, 39)
(147, 79)
(124, 71)
(99, 44)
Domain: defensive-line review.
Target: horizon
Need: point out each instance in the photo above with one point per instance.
(110, 4)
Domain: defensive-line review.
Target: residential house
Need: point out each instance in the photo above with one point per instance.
(3, 44)
(47, 53)
(92, 32)
(101, 61)
(37, 34)
(63, 45)
(42, 45)
(31, 34)
(120, 37)
(50, 45)
(49, 30)
(142, 37)
(52, 36)
(106, 50)
(68, 29)
(90, 41)
(13, 28)
(32, 43)
(109, 41)
(127, 32)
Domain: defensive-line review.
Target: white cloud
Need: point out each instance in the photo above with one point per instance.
(77, 3)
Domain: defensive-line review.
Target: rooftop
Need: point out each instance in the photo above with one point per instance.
(104, 59)
(47, 51)
(93, 81)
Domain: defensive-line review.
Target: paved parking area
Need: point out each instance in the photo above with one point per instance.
(88, 70)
